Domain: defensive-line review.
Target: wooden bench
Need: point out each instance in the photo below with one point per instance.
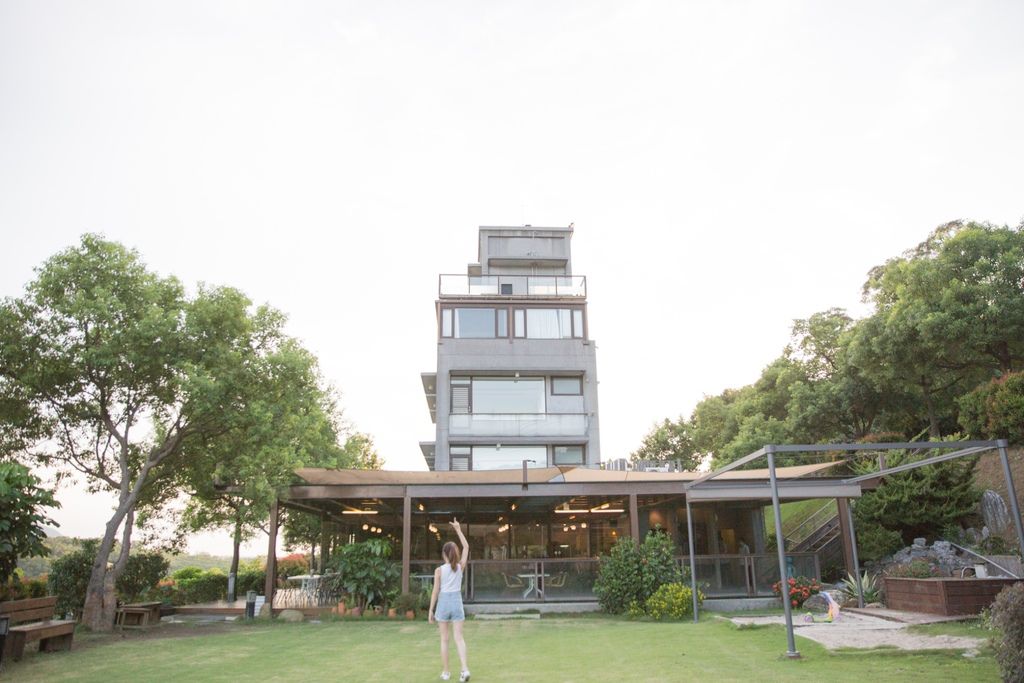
(52, 634)
(137, 615)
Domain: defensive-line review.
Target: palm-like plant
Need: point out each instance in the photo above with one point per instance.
(868, 585)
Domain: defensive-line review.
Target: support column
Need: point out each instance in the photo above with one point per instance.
(271, 581)
(846, 535)
(406, 540)
(323, 543)
(693, 558)
(634, 518)
(780, 546)
(856, 560)
(1011, 491)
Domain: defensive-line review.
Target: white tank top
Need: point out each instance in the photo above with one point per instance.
(451, 581)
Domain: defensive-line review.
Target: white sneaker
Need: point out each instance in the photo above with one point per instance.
(445, 675)
(463, 677)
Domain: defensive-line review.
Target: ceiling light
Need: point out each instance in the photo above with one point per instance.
(365, 527)
(513, 506)
(359, 512)
(611, 510)
(583, 525)
(420, 506)
(567, 512)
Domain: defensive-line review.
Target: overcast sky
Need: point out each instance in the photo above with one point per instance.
(729, 166)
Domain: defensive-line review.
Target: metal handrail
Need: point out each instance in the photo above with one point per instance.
(824, 508)
(982, 557)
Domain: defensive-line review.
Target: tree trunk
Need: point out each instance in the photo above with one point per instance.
(934, 431)
(100, 594)
(237, 544)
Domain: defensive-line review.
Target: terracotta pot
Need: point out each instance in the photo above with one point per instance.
(341, 608)
(392, 613)
(410, 614)
(355, 612)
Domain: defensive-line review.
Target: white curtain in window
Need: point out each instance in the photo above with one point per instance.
(543, 323)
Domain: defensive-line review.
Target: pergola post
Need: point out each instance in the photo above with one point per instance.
(406, 540)
(1011, 491)
(780, 545)
(693, 558)
(323, 543)
(846, 535)
(271, 578)
(634, 518)
(856, 560)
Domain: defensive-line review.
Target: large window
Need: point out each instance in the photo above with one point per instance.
(568, 455)
(474, 323)
(549, 323)
(497, 457)
(508, 395)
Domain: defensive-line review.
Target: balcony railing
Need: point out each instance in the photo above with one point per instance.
(513, 285)
(517, 424)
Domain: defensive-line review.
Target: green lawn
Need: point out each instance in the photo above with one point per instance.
(549, 649)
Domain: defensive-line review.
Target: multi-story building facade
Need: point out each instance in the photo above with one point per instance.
(516, 377)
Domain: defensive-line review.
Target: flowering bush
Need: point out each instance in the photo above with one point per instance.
(672, 601)
(798, 589)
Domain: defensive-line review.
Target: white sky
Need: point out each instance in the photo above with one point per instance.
(729, 166)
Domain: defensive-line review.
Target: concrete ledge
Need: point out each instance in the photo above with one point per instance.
(740, 604)
(539, 607)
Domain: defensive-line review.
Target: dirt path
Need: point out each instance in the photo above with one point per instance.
(859, 631)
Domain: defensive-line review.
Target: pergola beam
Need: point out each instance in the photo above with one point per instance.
(920, 463)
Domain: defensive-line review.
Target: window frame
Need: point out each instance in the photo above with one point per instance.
(579, 380)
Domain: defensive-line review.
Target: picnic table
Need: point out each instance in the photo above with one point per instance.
(137, 615)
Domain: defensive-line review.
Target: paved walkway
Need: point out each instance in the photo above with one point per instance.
(863, 631)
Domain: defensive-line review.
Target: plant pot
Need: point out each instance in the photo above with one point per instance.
(378, 610)
(392, 613)
(355, 612)
(342, 607)
(410, 614)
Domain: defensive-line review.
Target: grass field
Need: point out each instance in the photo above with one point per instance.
(550, 649)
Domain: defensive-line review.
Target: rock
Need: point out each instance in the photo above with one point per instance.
(994, 511)
(265, 612)
(874, 605)
(291, 616)
(920, 543)
(816, 602)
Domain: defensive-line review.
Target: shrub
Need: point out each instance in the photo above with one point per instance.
(407, 601)
(69, 578)
(142, 572)
(672, 601)
(868, 585)
(874, 541)
(1008, 616)
(249, 579)
(996, 410)
(915, 569)
(17, 587)
(365, 571)
(292, 565)
(798, 589)
(192, 585)
(633, 572)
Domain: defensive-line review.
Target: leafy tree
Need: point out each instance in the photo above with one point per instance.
(669, 441)
(995, 410)
(111, 372)
(364, 571)
(21, 517)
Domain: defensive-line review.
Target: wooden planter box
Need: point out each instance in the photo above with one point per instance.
(943, 595)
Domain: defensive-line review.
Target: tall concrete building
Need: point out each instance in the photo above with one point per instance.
(516, 377)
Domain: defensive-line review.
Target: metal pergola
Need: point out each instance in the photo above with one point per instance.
(958, 449)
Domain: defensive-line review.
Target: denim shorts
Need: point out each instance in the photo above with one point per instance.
(449, 607)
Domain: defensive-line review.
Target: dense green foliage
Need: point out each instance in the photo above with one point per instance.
(1008, 617)
(365, 572)
(995, 410)
(192, 585)
(672, 601)
(18, 587)
(915, 569)
(69, 577)
(940, 351)
(111, 371)
(633, 571)
(874, 541)
(22, 516)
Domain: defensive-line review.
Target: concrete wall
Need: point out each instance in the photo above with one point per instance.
(527, 356)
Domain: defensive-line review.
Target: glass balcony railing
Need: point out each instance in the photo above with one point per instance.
(517, 424)
(513, 285)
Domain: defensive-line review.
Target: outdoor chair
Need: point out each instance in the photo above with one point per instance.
(556, 581)
(512, 581)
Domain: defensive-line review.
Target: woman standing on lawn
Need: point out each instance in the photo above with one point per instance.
(447, 598)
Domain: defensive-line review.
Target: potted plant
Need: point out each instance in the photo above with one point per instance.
(390, 598)
(365, 572)
(407, 603)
